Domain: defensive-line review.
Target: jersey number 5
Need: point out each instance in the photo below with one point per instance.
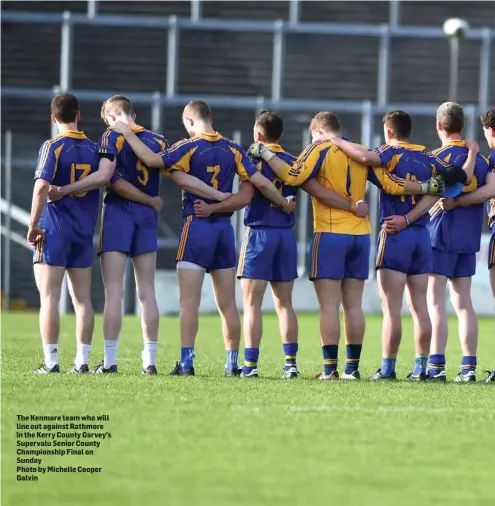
(84, 169)
(216, 170)
(144, 175)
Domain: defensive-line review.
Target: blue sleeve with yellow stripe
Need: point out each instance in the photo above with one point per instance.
(47, 162)
(178, 156)
(386, 154)
(306, 166)
(244, 166)
(111, 143)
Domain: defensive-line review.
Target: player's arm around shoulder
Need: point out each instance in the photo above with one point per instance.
(478, 196)
(361, 154)
(151, 159)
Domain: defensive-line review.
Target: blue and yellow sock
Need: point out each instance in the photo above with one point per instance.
(186, 358)
(231, 361)
(436, 364)
(468, 364)
(420, 364)
(353, 352)
(251, 356)
(330, 358)
(388, 365)
(290, 352)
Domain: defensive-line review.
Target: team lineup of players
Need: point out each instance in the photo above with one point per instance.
(431, 216)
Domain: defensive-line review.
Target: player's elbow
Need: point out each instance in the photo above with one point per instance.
(153, 161)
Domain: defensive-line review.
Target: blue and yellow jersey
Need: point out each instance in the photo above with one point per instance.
(459, 230)
(129, 167)
(69, 157)
(210, 157)
(490, 205)
(410, 162)
(336, 171)
(261, 212)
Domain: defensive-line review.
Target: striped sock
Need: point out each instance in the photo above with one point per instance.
(251, 356)
(330, 358)
(353, 352)
(290, 352)
(436, 364)
(468, 364)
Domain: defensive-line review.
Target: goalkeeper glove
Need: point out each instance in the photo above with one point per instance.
(259, 150)
(434, 186)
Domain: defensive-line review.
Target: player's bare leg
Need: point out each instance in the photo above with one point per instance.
(287, 321)
(460, 296)
(112, 271)
(416, 295)
(328, 292)
(49, 283)
(80, 292)
(224, 289)
(391, 285)
(144, 273)
(253, 291)
(354, 324)
(437, 286)
(190, 286)
(492, 281)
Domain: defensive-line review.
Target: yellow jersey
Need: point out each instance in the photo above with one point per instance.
(336, 171)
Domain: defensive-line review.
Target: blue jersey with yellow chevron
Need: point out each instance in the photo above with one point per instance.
(407, 161)
(129, 167)
(69, 157)
(130, 227)
(490, 205)
(459, 230)
(263, 213)
(210, 157)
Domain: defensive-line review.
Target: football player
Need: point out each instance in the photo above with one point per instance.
(62, 233)
(206, 244)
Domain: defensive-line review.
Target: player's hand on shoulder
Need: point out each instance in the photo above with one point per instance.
(360, 209)
(120, 127)
(56, 193)
(156, 203)
(473, 146)
(394, 224)
(290, 206)
(201, 209)
(34, 235)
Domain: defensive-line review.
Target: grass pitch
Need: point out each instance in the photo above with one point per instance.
(216, 441)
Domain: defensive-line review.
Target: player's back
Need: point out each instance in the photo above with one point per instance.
(129, 167)
(336, 171)
(213, 159)
(406, 161)
(67, 158)
(459, 230)
(261, 212)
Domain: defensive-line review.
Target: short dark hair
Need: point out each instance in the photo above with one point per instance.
(451, 116)
(399, 123)
(271, 124)
(488, 119)
(118, 104)
(64, 108)
(201, 109)
(326, 121)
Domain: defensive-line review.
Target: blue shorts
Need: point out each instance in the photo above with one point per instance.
(63, 250)
(122, 231)
(491, 251)
(454, 265)
(408, 251)
(269, 254)
(339, 256)
(209, 243)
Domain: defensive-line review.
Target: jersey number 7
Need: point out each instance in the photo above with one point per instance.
(84, 169)
(216, 170)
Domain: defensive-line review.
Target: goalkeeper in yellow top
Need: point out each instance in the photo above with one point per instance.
(340, 247)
